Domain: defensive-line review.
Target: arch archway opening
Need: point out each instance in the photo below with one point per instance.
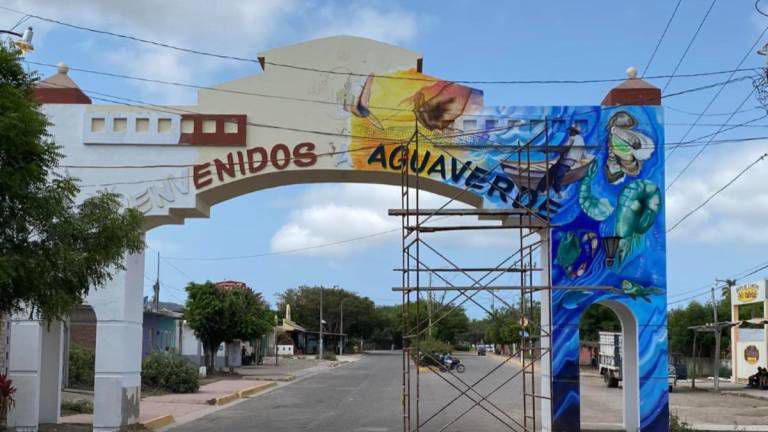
(608, 367)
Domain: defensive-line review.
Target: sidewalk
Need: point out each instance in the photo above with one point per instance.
(157, 412)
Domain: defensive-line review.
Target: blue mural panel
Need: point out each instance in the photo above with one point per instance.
(596, 171)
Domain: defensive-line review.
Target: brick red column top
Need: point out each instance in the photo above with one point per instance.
(633, 91)
(60, 89)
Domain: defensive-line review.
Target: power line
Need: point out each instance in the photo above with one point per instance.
(719, 91)
(318, 101)
(712, 114)
(708, 287)
(725, 186)
(690, 44)
(704, 148)
(325, 71)
(661, 38)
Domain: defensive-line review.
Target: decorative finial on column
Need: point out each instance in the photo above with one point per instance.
(632, 72)
(63, 68)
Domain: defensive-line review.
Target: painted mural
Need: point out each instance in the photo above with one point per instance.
(605, 179)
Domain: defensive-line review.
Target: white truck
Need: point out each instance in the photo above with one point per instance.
(609, 363)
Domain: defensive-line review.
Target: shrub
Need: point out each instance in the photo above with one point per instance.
(329, 355)
(171, 372)
(77, 406)
(677, 425)
(81, 366)
(7, 401)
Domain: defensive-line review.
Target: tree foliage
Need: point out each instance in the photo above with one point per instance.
(223, 315)
(449, 324)
(597, 318)
(359, 311)
(52, 249)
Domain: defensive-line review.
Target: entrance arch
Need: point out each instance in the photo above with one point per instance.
(343, 116)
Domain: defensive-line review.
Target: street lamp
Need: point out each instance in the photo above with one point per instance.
(25, 39)
(341, 328)
(611, 245)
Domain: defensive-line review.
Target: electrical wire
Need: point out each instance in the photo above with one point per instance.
(661, 38)
(720, 90)
(713, 195)
(710, 115)
(708, 287)
(318, 101)
(325, 71)
(690, 44)
(704, 148)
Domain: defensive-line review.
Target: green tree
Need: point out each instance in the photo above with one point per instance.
(597, 318)
(223, 315)
(360, 320)
(52, 249)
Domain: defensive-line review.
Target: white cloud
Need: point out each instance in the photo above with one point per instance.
(736, 215)
(339, 212)
(240, 28)
(392, 25)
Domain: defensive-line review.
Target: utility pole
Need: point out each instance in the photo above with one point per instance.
(716, 371)
(156, 287)
(320, 343)
(274, 335)
(341, 329)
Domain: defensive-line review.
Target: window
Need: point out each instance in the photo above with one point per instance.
(470, 125)
(230, 127)
(97, 125)
(209, 126)
(120, 124)
(142, 125)
(490, 124)
(164, 125)
(187, 126)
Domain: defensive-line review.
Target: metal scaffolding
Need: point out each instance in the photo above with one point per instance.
(518, 302)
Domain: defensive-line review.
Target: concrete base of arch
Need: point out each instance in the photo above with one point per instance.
(35, 366)
(37, 357)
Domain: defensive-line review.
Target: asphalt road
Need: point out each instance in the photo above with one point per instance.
(365, 396)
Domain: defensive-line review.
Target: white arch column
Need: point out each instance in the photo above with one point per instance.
(630, 364)
(117, 380)
(35, 366)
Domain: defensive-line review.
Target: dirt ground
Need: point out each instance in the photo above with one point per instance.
(601, 405)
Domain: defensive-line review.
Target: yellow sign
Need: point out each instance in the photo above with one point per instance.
(747, 293)
(751, 354)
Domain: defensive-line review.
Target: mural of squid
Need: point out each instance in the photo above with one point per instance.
(595, 171)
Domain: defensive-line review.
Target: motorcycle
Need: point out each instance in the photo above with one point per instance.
(453, 364)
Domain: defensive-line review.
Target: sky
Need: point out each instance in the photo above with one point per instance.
(503, 40)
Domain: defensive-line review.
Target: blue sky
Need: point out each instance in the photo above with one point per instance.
(459, 40)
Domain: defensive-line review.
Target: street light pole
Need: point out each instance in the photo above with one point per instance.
(341, 329)
(716, 371)
(320, 344)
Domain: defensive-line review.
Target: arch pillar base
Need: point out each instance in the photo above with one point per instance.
(35, 366)
(119, 315)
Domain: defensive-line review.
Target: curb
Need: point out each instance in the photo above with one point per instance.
(223, 400)
(158, 422)
(244, 393)
(281, 378)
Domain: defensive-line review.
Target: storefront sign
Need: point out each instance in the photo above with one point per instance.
(751, 354)
(750, 293)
